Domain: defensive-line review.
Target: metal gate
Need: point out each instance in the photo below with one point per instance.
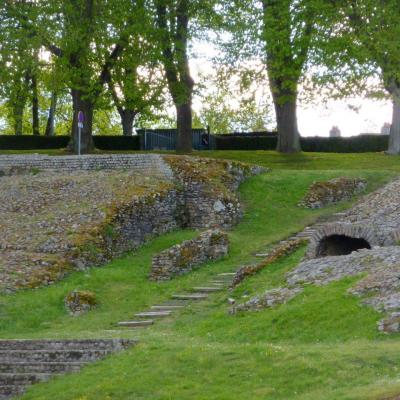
(165, 139)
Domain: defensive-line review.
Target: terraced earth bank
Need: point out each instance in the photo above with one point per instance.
(55, 219)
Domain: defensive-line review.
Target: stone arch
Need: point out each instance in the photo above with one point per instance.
(340, 239)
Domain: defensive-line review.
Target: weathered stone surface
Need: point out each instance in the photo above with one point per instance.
(269, 299)
(25, 362)
(80, 301)
(380, 289)
(182, 258)
(322, 271)
(57, 218)
(391, 324)
(283, 249)
(321, 194)
(209, 190)
(375, 219)
(150, 164)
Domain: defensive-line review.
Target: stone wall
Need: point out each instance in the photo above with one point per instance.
(128, 227)
(85, 218)
(376, 219)
(321, 194)
(182, 258)
(149, 164)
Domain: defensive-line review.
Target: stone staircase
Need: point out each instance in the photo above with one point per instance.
(179, 301)
(25, 362)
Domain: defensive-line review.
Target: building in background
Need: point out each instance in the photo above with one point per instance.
(335, 132)
(386, 128)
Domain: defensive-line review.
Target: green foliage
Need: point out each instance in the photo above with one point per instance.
(231, 100)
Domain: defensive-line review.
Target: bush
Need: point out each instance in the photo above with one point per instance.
(30, 142)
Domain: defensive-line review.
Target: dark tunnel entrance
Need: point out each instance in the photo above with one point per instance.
(340, 245)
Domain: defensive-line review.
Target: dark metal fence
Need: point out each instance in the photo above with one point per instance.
(165, 139)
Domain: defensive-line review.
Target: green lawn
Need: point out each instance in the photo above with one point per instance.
(321, 345)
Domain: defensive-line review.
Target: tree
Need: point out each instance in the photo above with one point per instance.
(281, 33)
(135, 80)
(376, 28)
(86, 37)
(19, 66)
(173, 24)
(234, 100)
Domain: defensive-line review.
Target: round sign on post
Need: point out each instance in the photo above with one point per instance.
(81, 118)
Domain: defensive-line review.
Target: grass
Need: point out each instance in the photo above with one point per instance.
(320, 345)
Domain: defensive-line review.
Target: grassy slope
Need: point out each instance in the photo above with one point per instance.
(321, 345)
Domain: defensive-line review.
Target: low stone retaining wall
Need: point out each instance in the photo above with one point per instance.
(182, 258)
(149, 164)
(321, 194)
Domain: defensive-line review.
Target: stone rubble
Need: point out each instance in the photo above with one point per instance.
(182, 258)
(321, 194)
(80, 301)
(56, 218)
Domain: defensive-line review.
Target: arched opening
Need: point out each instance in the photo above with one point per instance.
(340, 245)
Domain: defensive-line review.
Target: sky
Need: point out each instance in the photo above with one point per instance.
(318, 120)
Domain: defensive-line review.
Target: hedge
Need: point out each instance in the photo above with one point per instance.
(228, 142)
(30, 142)
(354, 144)
(117, 142)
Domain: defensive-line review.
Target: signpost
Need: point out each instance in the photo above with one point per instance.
(81, 118)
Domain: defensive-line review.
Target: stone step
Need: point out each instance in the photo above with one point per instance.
(262, 255)
(94, 344)
(154, 314)
(40, 367)
(22, 379)
(227, 274)
(7, 392)
(9, 356)
(194, 296)
(207, 289)
(221, 283)
(135, 324)
(167, 308)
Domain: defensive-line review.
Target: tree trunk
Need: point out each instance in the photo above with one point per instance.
(184, 125)
(394, 138)
(127, 119)
(18, 115)
(288, 133)
(50, 126)
(81, 104)
(35, 106)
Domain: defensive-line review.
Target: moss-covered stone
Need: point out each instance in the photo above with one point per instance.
(80, 301)
(321, 194)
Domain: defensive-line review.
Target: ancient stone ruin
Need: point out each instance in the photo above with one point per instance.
(374, 221)
(183, 258)
(321, 194)
(364, 240)
(86, 211)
